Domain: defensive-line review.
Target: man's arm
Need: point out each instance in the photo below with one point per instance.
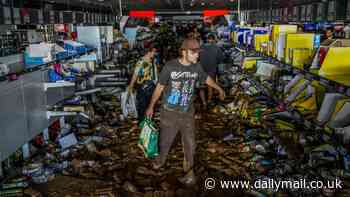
(210, 82)
(134, 76)
(155, 97)
(133, 81)
(220, 57)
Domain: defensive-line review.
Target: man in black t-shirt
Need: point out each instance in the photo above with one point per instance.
(177, 80)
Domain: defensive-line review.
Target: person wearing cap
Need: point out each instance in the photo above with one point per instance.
(144, 81)
(211, 55)
(177, 83)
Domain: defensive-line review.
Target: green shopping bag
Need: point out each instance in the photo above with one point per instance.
(149, 137)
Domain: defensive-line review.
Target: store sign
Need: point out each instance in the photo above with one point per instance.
(40, 17)
(52, 17)
(25, 15)
(79, 17)
(331, 10)
(309, 12)
(320, 8)
(295, 14)
(303, 13)
(290, 14)
(7, 15)
(281, 14)
(34, 16)
(74, 20)
(61, 17)
(285, 14)
(348, 11)
(274, 15)
(16, 16)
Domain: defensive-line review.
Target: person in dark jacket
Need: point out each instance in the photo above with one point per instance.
(210, 56)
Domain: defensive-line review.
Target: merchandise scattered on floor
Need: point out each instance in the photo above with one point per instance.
(247, 137)
(280, 122)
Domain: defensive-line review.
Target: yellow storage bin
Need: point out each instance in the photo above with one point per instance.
(336, 65)
(259, 39)
(249, 63)
(276, 30)
(297, 41)
(299, 57)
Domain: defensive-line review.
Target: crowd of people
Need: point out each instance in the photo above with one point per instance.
(193, 67)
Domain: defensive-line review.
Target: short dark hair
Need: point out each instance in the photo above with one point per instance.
(150, 48)
(211, 37)
(188, 44)
(330, 29)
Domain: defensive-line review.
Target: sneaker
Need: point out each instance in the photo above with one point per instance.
(189, 179)
(205, 107)
(156, 165)
(197, 116)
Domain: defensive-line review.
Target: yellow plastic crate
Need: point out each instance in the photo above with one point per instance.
(336, 65)
(276, 30)
(299, 57)
(249, 63)
(297, 41)
(259, 39)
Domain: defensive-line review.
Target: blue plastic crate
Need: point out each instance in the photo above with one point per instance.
(76, 49)
(62, 55)
(241, 35)
(30, 62)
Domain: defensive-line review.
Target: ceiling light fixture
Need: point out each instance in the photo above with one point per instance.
(142, 13)
(215, 12)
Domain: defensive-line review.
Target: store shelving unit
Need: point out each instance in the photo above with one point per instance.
(24, 105)
(331, 86)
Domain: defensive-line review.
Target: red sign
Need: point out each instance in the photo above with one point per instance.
(215, 12)
(142, 14)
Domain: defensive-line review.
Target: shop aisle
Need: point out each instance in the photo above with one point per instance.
(116, 166)
(234, 142)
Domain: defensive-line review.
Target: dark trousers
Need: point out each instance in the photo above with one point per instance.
(143, 98)
(171, 123)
